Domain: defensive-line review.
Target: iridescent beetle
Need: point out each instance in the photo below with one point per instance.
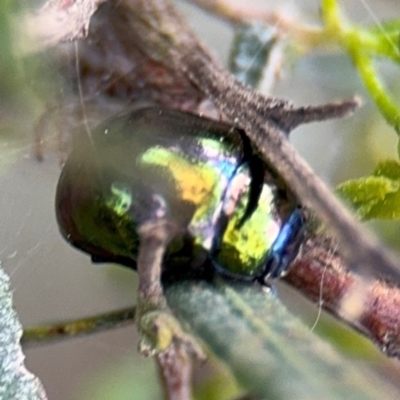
(202, 176)
(220, 204)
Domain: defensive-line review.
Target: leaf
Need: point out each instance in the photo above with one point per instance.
(16, 382)
(375, 196)
(271, 353)
(390, 169)
(366, 194)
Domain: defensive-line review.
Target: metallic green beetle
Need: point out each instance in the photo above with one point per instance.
(223, 205)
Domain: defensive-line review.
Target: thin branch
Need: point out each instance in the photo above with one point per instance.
(322, 276)
(75, 328)
(303, 115)
(175, 369)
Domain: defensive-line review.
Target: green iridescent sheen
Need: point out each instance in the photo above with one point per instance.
(244, 248)
(196, 182)
(192, 172)
(117, 232)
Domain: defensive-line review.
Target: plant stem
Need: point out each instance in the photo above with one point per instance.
(76, 328)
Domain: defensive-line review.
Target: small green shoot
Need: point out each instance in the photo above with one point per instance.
(377, 195)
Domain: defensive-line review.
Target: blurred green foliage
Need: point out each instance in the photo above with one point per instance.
(362, 46)
(377, 195)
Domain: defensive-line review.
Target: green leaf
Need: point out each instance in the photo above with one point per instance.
(390, 169)
(16, 382)
(219, 386)
(365, 194)
(271, 353)
(346, 340)
(375, 196)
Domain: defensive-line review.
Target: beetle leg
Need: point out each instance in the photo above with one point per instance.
(153, 242)
(158, 328)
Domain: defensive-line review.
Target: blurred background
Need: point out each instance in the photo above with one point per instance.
(52, 281)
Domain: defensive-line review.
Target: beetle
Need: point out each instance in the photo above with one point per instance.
(168, 192)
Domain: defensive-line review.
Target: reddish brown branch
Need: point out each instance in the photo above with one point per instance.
(175, 370)
(322, 276)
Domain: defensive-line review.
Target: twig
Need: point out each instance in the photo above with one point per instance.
(379, 318)
(76, 328)
(175, 369)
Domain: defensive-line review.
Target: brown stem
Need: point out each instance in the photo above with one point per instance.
(322, 275)
(175, 370)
